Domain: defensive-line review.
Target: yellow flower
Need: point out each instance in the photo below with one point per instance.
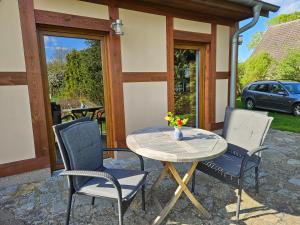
(167, 118)
(184, 121)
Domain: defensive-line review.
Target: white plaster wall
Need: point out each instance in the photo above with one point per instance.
(74, 7)
(223, 39)
(145, 104)
(192, 26)
(221, 99)
(143, 45)
(11, 44)
(16, 136)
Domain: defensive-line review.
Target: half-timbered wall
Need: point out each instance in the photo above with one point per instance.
(192, 26)
(143, 50)
(16, 136)
(73, 7)
(141, 58)
(222, 66)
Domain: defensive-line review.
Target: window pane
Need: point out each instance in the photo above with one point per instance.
(262, 88)
(276, 88)
(253, 87)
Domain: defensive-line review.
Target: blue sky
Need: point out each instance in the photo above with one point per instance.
(287, 6)
(53, 43)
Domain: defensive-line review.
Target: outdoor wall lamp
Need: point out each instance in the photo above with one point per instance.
(117, 27)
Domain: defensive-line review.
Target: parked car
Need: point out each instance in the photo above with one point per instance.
(282, 96)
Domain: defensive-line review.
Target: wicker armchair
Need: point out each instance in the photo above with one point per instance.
(245, 132)
(80, 145)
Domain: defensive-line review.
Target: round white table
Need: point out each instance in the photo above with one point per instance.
(157, 143)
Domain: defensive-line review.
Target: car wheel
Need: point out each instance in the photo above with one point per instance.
(249, 104)
(296, 110)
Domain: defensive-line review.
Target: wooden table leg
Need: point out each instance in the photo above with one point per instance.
(181, 188)
(186, 190)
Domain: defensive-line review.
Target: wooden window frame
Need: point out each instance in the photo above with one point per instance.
(201, 86)
(208, 42)
(72, 33)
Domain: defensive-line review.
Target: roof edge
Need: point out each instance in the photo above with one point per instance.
(266, 6)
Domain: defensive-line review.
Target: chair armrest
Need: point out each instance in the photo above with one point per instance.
(127, 150)
(259, 149)
(98, 174)
(251, 155)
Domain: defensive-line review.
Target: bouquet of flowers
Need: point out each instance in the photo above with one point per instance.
(176, 121)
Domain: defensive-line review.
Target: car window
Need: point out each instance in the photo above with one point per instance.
(293, 88)
(262, 88)
(253, 87)
(276, 88)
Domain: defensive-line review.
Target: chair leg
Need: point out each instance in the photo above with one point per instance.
(256, 180)
(238, 204)
(69, 207)
(120, 209)
(143, 198)
(101, 128)
(193, 182)
(93, 201)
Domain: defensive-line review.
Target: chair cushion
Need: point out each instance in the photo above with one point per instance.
(227, 164)
(84, 148)
(130, 181)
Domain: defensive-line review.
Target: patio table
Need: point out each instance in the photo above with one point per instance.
(83, 111)
(157, 143)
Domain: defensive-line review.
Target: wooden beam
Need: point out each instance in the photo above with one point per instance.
(34, 78)
(170, 63)
(144, 76)
(22, 166)
(71, 21)
(210, 80)
(222, 75)
(13, 78)
(213, 72)
(192, 36)
(116, 83)
(217, 126)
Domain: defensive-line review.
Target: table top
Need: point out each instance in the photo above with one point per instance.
(158, 143)
(78, 110)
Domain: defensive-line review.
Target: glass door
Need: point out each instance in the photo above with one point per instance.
(188, 84)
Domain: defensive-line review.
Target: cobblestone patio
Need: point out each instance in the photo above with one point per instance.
(277, 203)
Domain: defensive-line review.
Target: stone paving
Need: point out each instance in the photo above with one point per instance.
(277, 203)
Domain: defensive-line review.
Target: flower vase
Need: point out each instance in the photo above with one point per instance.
(178, 136)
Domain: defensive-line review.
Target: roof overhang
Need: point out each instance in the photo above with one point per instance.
(234, 10)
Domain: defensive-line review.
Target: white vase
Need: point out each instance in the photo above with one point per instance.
(178, 136)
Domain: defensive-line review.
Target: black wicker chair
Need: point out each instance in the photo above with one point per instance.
(245, 132)
(81, 149)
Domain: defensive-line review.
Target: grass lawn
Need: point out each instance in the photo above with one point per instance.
(282, 121)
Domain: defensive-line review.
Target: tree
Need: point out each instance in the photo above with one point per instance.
(56, 69)
(284, 18)
(56, 72)
(83, 77)
(241, 73)
(256, 68)
(255, 39)
(288, 68)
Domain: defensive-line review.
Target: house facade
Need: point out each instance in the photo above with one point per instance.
(138, 66)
